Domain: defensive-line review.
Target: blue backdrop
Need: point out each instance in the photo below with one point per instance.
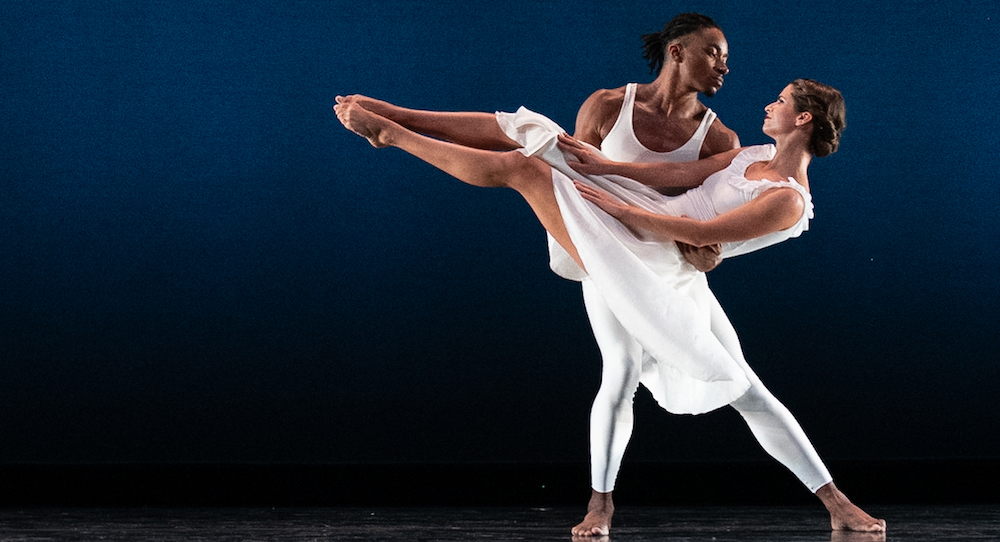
(200, 265)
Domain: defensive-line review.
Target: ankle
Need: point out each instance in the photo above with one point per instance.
(831, 496)
(601, 502)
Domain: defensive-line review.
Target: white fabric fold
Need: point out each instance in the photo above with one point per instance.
(648, 286)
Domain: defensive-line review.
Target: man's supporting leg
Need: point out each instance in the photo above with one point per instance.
(611, 417)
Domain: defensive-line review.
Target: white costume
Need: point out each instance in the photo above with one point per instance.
(653, 316)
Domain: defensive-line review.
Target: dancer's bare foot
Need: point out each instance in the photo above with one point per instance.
(598, 519)
(844, 515)
(854, 536)
(378, 107)
(366, 124)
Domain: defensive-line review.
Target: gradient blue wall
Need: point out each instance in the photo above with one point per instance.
(200, 264)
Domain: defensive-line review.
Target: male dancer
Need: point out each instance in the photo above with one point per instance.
(665, 121)
(659, 121)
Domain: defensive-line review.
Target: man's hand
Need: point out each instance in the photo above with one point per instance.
(590, 160)
(702, 258)
(608, 203)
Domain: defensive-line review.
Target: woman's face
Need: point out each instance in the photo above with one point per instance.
(781, 116)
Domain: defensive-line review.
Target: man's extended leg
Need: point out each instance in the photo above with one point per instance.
(782, 437)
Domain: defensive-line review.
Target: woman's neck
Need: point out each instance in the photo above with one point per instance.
(791, 159)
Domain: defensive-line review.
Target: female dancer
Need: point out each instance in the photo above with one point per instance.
(694, 361)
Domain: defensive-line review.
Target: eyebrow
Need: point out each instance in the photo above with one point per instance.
(717, 48)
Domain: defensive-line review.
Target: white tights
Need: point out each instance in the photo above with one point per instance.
(611, 417)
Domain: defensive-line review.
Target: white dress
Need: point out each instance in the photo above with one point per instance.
(652, 291)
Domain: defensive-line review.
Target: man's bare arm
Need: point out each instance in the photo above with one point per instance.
(656, 175)
(597, 115)
(719, 139)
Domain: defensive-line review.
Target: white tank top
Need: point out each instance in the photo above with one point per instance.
(621, 144)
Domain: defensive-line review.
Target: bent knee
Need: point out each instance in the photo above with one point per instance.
(618, 390)
(528, 174)
(614, 401)
(757, 399)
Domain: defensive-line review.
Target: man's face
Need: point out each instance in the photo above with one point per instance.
(705, 54)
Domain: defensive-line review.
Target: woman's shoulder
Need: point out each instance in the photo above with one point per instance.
(759, 153)
(756, 153)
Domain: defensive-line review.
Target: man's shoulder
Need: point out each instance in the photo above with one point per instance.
(720, 138)
(598, 114)
(604, 94)
(605, 101)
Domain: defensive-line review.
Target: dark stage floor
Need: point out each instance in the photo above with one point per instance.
(688, 524)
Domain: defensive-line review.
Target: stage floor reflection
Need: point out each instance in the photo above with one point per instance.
(632, 524)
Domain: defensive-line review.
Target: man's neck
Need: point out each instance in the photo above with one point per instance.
(668, 95)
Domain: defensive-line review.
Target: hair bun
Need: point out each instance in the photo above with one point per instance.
(826, 105)
(826, 138)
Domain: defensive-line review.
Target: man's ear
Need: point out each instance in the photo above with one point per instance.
(676, 51)
(804, 117)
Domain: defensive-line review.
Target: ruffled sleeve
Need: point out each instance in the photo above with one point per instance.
(754, 189)
(749, 155)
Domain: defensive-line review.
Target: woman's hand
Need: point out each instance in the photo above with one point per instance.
(590, 161)
(608, 203)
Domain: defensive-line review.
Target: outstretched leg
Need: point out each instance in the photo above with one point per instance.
(476, 130)
(530, 177)
(782, 437)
